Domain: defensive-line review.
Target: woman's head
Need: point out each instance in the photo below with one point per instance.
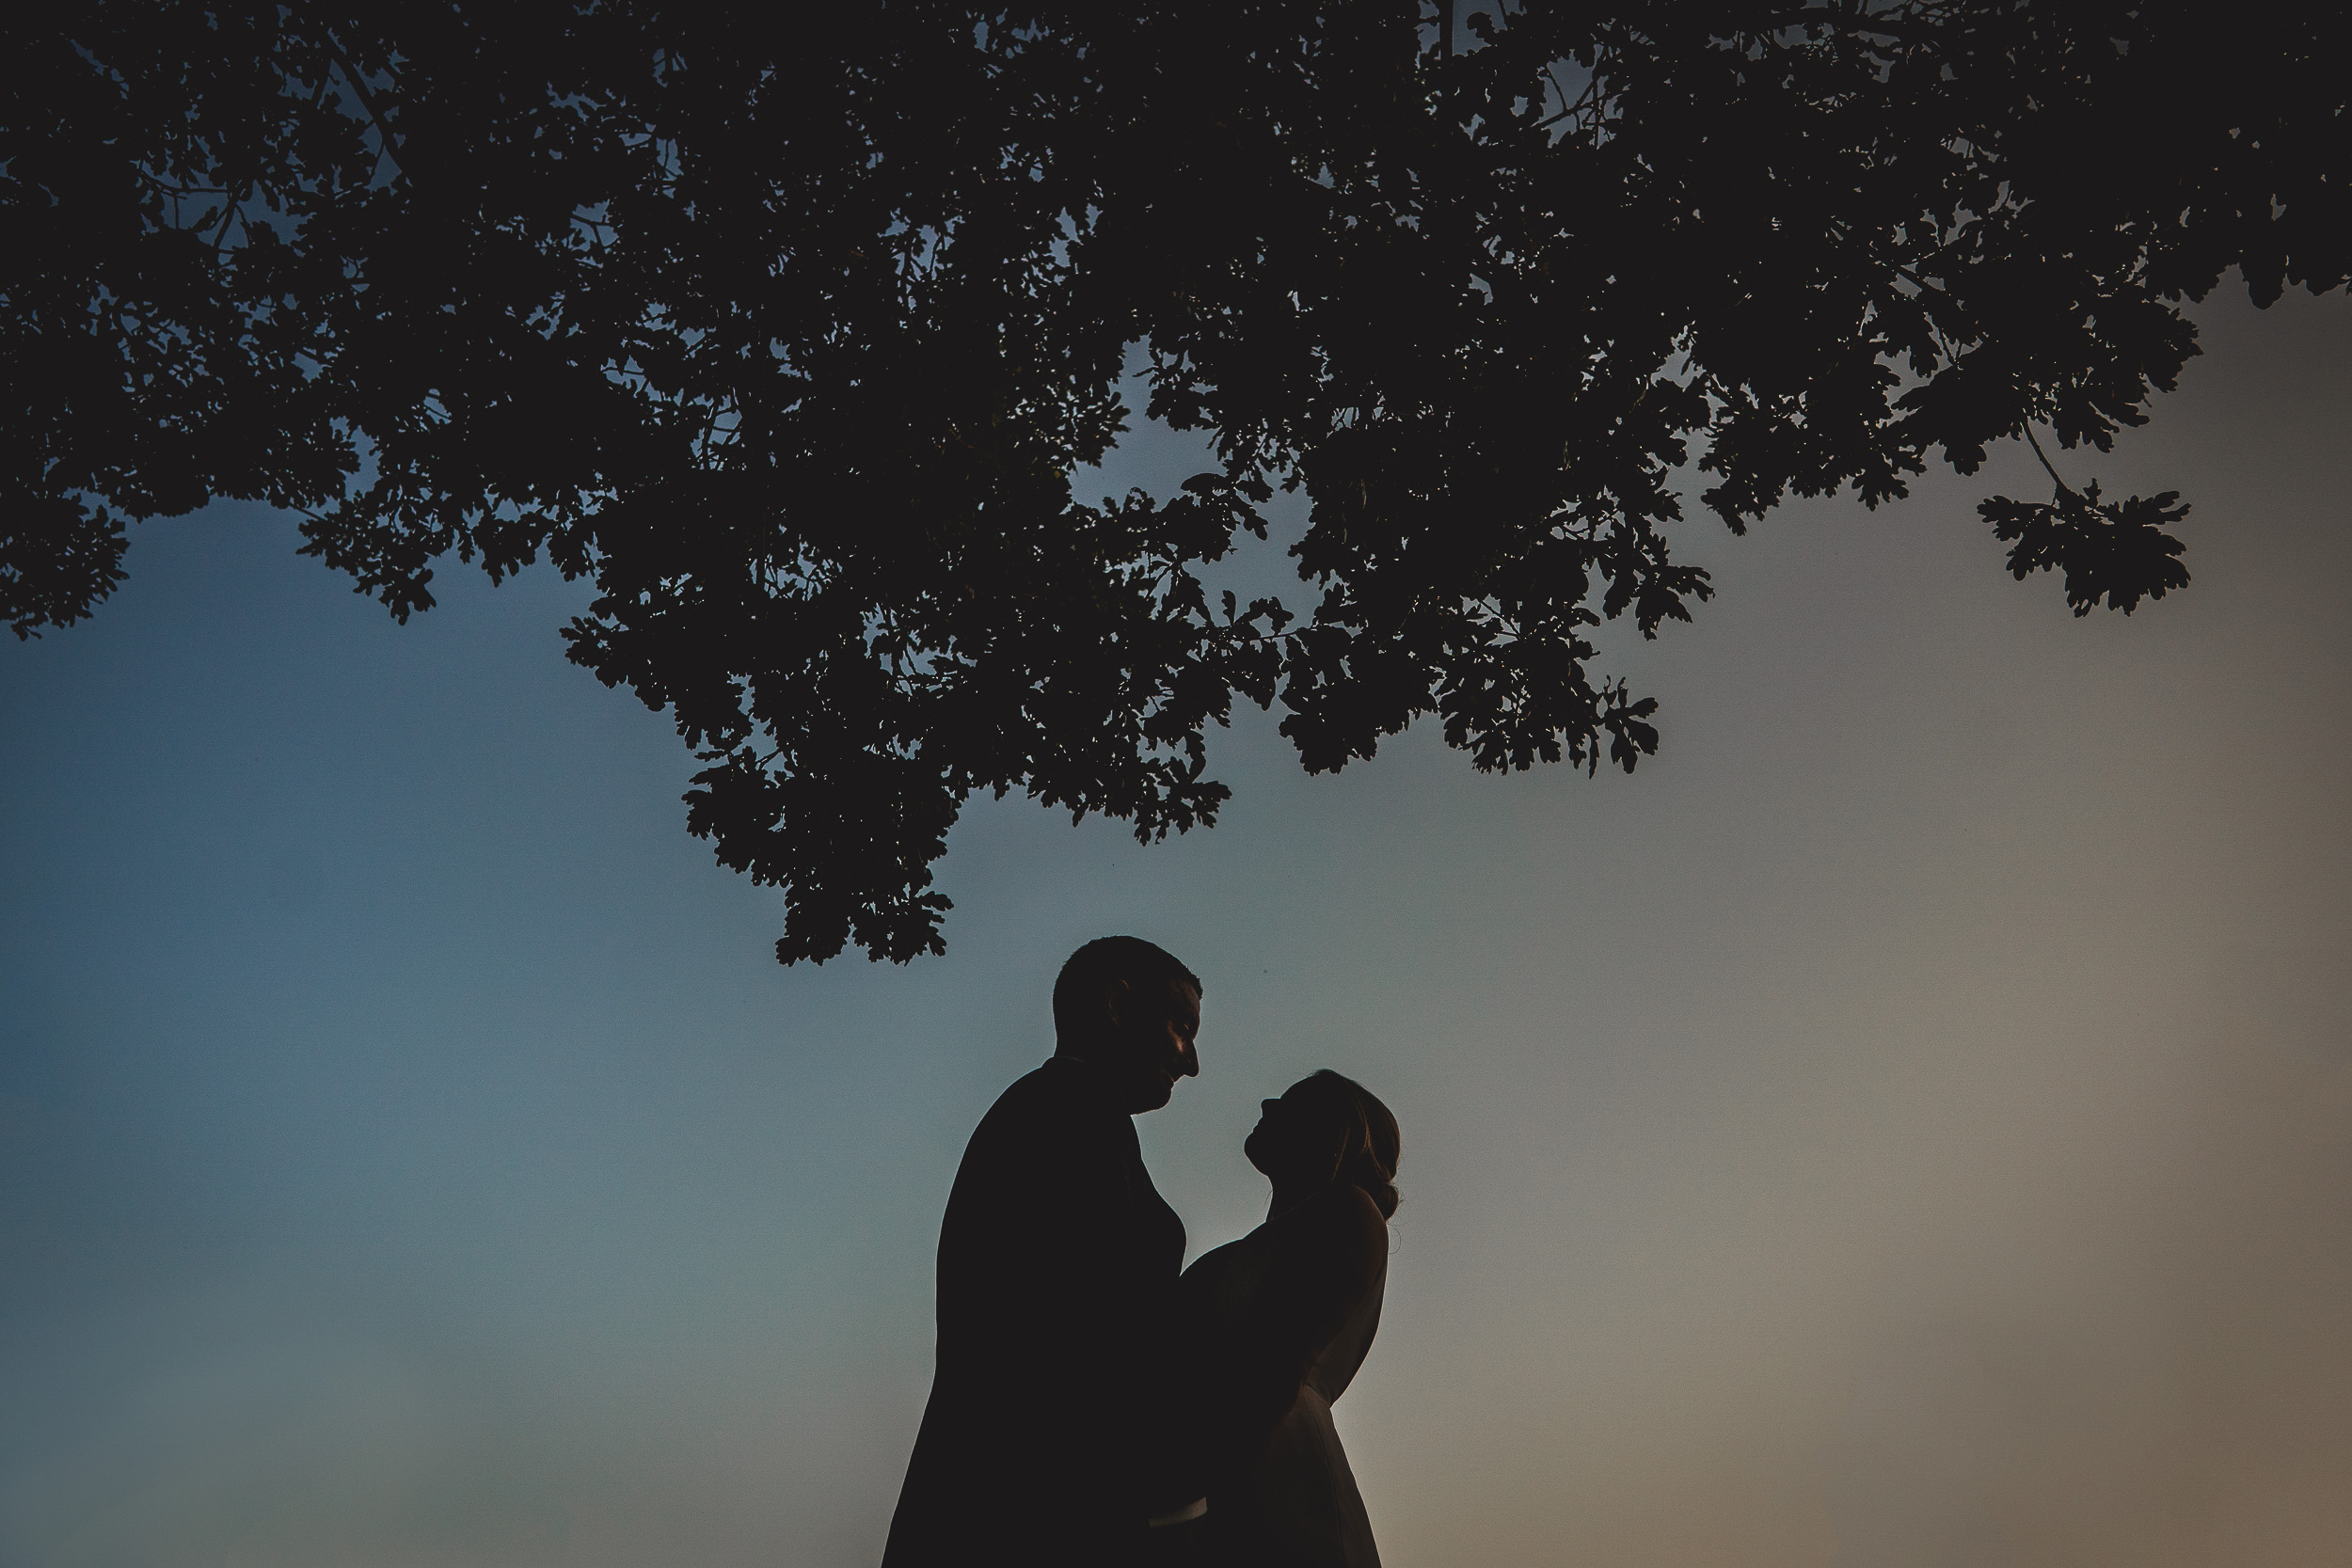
(1324, 1129)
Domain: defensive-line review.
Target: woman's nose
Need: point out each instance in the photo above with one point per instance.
(1267, 1105)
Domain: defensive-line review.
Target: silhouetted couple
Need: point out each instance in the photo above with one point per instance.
(1091, 1409)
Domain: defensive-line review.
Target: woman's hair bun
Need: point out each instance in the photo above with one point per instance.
(1368, 1139)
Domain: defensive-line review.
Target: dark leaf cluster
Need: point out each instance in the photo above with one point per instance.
(791, 325)
(2118, 554)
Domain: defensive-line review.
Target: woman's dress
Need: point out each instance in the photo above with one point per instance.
(1286, 1315)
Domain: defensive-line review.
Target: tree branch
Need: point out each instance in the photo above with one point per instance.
(367, 102)
(2064, 489)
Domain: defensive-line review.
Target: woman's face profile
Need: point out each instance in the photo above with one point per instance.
(1285, 1131)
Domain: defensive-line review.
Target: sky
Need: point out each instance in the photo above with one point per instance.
(1906, 1124)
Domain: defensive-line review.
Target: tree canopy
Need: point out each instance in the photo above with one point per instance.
(788, 326)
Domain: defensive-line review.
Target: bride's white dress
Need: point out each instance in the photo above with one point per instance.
(1286, 1316)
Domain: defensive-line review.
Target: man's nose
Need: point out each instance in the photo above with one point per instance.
(1189, 1059)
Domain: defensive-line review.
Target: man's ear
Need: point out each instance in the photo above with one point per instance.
(1118, 1001)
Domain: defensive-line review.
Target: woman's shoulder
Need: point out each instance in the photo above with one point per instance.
(1345, 1217)
(1354, 1206)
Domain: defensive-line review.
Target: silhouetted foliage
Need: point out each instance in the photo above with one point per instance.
(790, 323)
(2117, 553)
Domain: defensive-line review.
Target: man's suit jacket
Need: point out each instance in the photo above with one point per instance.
(1043, 1441)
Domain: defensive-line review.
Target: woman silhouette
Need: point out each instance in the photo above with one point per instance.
(1286, 1315)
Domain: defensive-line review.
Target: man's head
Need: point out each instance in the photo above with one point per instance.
(1131, 1010)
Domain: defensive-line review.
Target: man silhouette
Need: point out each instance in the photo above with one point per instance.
(1042, 1444)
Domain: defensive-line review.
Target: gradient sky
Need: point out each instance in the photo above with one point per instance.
(1908, 1124)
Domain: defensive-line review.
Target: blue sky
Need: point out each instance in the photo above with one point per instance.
(1907, 1122)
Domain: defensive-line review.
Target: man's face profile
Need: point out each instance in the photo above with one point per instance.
(1150, 1042)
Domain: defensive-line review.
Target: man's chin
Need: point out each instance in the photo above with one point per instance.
(1151, 1096)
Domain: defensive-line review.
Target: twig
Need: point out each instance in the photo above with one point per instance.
(2064, 489)
(367, 104)
(236, 210)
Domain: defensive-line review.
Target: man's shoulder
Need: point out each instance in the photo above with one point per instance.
(1056, 1088)
(1049, 1102)
(1048, 1080)
(1037, 1093)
